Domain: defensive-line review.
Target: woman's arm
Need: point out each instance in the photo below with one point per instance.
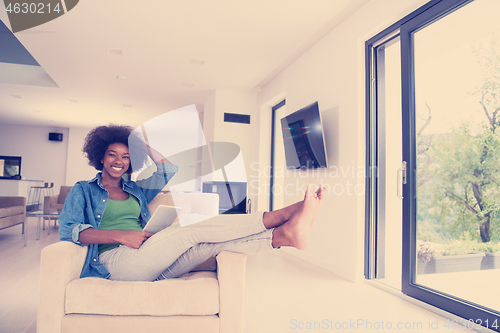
(130, 238)
(72, 217)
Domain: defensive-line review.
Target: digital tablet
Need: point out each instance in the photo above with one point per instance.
(162, 218)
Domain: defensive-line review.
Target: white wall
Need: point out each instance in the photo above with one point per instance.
(244, 135)
(332, 72)
(41, 159)
(209, 118)
(240, 102)
(78, 166)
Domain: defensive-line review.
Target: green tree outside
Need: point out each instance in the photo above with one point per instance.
(459, 172)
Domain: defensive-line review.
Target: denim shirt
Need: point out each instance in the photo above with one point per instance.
(85, 204)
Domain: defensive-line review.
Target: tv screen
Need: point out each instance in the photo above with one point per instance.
(303, 139)
(10, 167)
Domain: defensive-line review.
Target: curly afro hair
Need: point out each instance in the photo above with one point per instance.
(98, 140)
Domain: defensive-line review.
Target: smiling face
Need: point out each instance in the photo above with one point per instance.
(116, 160)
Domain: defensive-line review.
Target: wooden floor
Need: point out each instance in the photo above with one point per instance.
(19, 270)
(283, 294)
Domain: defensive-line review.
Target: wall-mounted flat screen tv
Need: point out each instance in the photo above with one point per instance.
(303, 139)
(10, 167)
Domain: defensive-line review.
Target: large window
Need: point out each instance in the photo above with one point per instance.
(447, 174)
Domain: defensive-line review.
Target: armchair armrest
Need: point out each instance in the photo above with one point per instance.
(60, 263)
(48, 200)
(231, 275)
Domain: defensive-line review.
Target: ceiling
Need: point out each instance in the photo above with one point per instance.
(122, 61)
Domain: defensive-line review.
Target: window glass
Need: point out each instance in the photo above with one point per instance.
(457, 100)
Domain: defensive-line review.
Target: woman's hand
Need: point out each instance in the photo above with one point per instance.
(130, 238)
(157, 157)
(133, 238)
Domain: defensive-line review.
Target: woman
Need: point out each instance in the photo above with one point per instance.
(108, 214)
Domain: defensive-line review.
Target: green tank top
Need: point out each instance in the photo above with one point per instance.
(120, 215)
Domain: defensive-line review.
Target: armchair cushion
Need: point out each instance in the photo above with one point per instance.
(82, 323)
(194, 294)
(12, 211)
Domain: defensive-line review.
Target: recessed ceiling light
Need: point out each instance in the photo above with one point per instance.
(121, 77)
(115, 51)
(16, 96)
(197, 62)
(73, 101)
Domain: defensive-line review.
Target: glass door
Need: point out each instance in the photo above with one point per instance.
(444, 184)
(451, 143)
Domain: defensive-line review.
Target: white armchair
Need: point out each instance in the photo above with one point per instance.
(209, 299)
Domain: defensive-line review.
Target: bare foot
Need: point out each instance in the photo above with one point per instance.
(276, 218)
(297, 230)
